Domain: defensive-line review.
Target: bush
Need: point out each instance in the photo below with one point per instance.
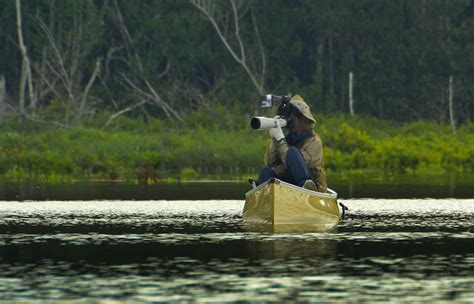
(132, 149)
(397, 155)
(188, 174)
(347, 139)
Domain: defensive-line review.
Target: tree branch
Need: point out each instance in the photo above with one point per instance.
(205, 7)
(88, 87)
(127, 109)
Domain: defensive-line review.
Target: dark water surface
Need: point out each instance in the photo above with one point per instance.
(198, 251)
(356, 186)
(188, 243)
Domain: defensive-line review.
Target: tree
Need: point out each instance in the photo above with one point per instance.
(69, 41)
(169, 57)
(26, 76)
(232, 36)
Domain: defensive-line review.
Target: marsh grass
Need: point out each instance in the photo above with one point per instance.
(159, 150)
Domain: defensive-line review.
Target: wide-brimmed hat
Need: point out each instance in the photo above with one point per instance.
(303, 107)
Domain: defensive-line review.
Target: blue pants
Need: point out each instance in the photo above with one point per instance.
(297, 172)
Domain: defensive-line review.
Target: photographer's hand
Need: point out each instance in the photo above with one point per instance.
(277, 132)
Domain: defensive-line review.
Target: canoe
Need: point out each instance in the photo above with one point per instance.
(277, 203)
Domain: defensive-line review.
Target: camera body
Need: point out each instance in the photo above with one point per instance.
(270, 100)
(284, 111)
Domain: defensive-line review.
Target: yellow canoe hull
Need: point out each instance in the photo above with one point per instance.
(278, 203)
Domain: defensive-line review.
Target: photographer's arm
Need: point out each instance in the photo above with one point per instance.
(273, 160)
(276, 156)
(282, 148)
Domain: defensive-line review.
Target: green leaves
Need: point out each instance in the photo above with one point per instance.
(401, 53)
(159, 153)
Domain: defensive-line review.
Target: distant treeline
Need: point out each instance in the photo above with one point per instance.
(158, 150)
(64, 62)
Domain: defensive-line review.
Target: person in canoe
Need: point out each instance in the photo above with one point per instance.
(296, 158)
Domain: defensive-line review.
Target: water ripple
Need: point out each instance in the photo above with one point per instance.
(201, 251)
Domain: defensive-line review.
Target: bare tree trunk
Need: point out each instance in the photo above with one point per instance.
(451, 111)
(319, 69)
(26, 67)
(3, 94)
(351, 95)
(3, 91)
(88, 87)
(21, 93)
(331, 66)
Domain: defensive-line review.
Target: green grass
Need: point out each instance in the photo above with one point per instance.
(158, 150)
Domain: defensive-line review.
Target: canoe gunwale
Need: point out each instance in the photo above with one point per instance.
(332, 194)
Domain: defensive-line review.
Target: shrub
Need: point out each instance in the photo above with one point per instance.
(188, 174)
(396, 155)
(346, 139)
(134, 149)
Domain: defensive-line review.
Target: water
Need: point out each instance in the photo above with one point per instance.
(355, 186)
(200, 251)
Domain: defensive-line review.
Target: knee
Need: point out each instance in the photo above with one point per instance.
(265, 174)
(292, 153)
(266, 171)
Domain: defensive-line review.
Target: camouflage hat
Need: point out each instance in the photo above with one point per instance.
(303, 107)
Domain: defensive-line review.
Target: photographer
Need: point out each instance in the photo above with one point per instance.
(296, 158)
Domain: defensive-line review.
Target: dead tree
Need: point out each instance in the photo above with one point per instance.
(3, 90)
(233, 40)
(451, 111)
(351, 93)
(3, 94)
(26, 77)
(88, 87)
(61, 70)
(140, 84)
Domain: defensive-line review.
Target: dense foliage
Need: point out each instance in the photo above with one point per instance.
(155, 90)
(164, 58)
(158, 151)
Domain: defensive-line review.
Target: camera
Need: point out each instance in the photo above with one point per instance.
(284, 111)
(270, 100)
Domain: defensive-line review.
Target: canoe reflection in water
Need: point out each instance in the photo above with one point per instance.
(292, 240)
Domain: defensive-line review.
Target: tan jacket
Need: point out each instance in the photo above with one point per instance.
(312, 151)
